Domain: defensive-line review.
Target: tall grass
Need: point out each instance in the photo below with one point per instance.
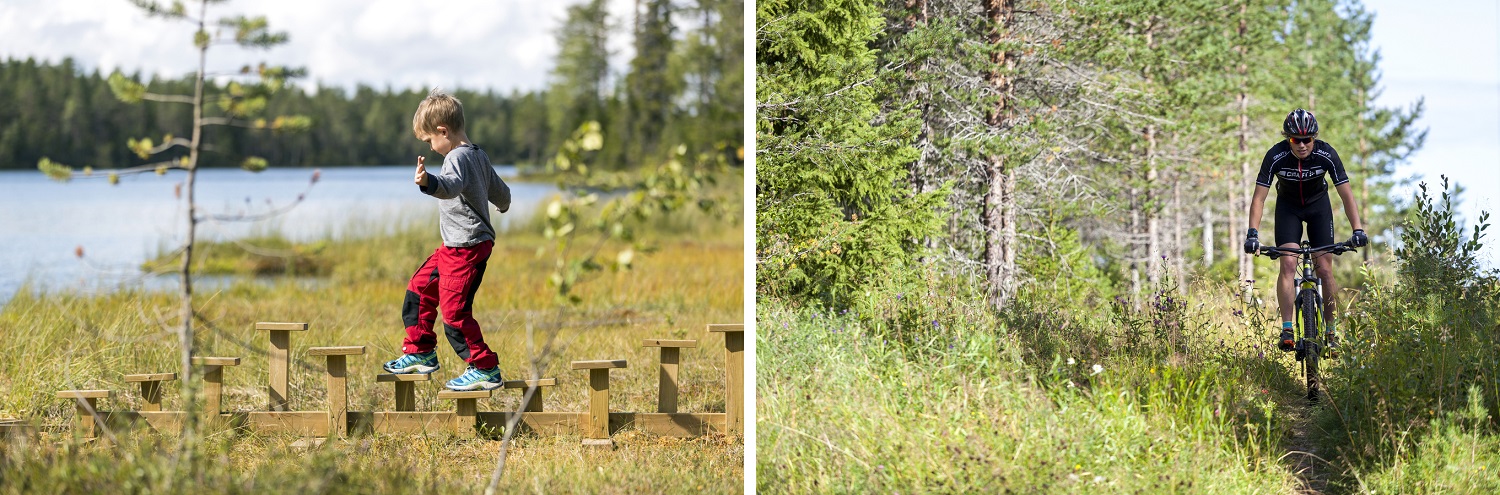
(1032, 400)
(695, 277)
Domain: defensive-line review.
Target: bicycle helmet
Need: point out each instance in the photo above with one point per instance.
(1299, 123)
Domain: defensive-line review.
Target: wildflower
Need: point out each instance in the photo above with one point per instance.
(1071, 362)
(1098, 369)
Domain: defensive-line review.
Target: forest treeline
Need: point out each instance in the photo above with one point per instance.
(1045, 145)
(682, 87)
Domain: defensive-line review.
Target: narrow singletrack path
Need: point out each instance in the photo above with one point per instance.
(1306, 462)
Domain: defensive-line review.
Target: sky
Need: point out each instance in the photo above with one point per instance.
(1448, 53)
(501, 45)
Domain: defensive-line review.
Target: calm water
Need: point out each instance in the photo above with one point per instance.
(43, 223)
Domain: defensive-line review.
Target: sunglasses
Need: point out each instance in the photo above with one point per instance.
(1302, 140)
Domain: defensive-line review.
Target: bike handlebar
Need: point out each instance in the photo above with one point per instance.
(1274, 252)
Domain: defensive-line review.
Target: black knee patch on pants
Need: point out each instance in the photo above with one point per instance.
(456, 339)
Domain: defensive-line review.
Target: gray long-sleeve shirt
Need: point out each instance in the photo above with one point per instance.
(463, 188)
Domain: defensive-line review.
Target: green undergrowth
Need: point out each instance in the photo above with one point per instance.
(984, 404)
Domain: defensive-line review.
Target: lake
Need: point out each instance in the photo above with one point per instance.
(44, 223)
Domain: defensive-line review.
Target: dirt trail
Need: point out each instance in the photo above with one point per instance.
(1302, 453)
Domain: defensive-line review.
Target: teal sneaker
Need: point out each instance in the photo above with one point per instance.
(477, 379)
(420, 364)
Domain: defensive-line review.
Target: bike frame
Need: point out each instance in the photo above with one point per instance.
(1308, 305)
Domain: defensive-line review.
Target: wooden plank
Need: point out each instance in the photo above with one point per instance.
(734, 393)
(466, 394)
(216, 361)
(353, 350)
(666, 399)
(213, 387)
(413, 422)
(545, 382)
(598, 425)
(275, 326)
(535, 403)
(150, 377)
(669, 343)
(338, 395)
(406, 396)
(279, 355)
(541, 423)
(722, 327)
(403, 377)
(85, 394)
(464, 420)
(599, 365)
(681, 425)
(151, 393)
(309, 423)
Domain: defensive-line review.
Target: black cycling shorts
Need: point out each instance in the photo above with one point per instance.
(1319, 219)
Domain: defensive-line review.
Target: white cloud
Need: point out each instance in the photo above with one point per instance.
(499, 45)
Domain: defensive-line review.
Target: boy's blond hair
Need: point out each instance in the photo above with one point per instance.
(438, 109)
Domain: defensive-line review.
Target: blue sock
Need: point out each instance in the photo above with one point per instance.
(1286, 326)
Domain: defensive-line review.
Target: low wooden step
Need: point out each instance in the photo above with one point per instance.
(466, 394)
(353, 350)
(404, 377)
(216, 361)
(599, 365)
(151, 377)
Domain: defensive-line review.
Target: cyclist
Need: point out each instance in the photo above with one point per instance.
(1300, 163)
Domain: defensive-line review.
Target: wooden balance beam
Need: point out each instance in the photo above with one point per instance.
(666, 401)
(151, 388)
(280, 359)
(213, 382)
(734, 370)
(596, 431)
(87, 403)
(338, 385)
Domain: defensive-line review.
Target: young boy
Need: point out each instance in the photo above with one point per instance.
(449, 278)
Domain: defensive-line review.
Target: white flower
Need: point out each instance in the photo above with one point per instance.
(1071, 362)
(1098, 369)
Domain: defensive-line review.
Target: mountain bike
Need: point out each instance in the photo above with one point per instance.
(1309, 307)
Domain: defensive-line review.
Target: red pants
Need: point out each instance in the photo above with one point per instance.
(447, 281)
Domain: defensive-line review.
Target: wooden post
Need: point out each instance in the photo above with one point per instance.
(666, 400)
(338, 386)
(151, 388)
(734, 368)
(280, 359)
(87, 404)
(535, 404)
(213, 382)
(406, 394)
(596, 433)
(468, 408)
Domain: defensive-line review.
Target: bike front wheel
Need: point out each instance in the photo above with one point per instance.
(1311, 325)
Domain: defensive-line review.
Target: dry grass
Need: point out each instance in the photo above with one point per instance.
(695, 278)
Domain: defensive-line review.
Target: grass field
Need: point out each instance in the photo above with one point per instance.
(694, 277)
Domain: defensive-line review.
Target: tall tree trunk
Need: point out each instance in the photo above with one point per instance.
(1208, 237)
(999, 200)
(1240, 195)
(1364, 164)
(1153, 213)
(1179, 254)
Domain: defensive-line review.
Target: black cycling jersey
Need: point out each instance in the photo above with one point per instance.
(1301, 180)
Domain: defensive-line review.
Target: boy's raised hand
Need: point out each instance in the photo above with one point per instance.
(421, 178)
